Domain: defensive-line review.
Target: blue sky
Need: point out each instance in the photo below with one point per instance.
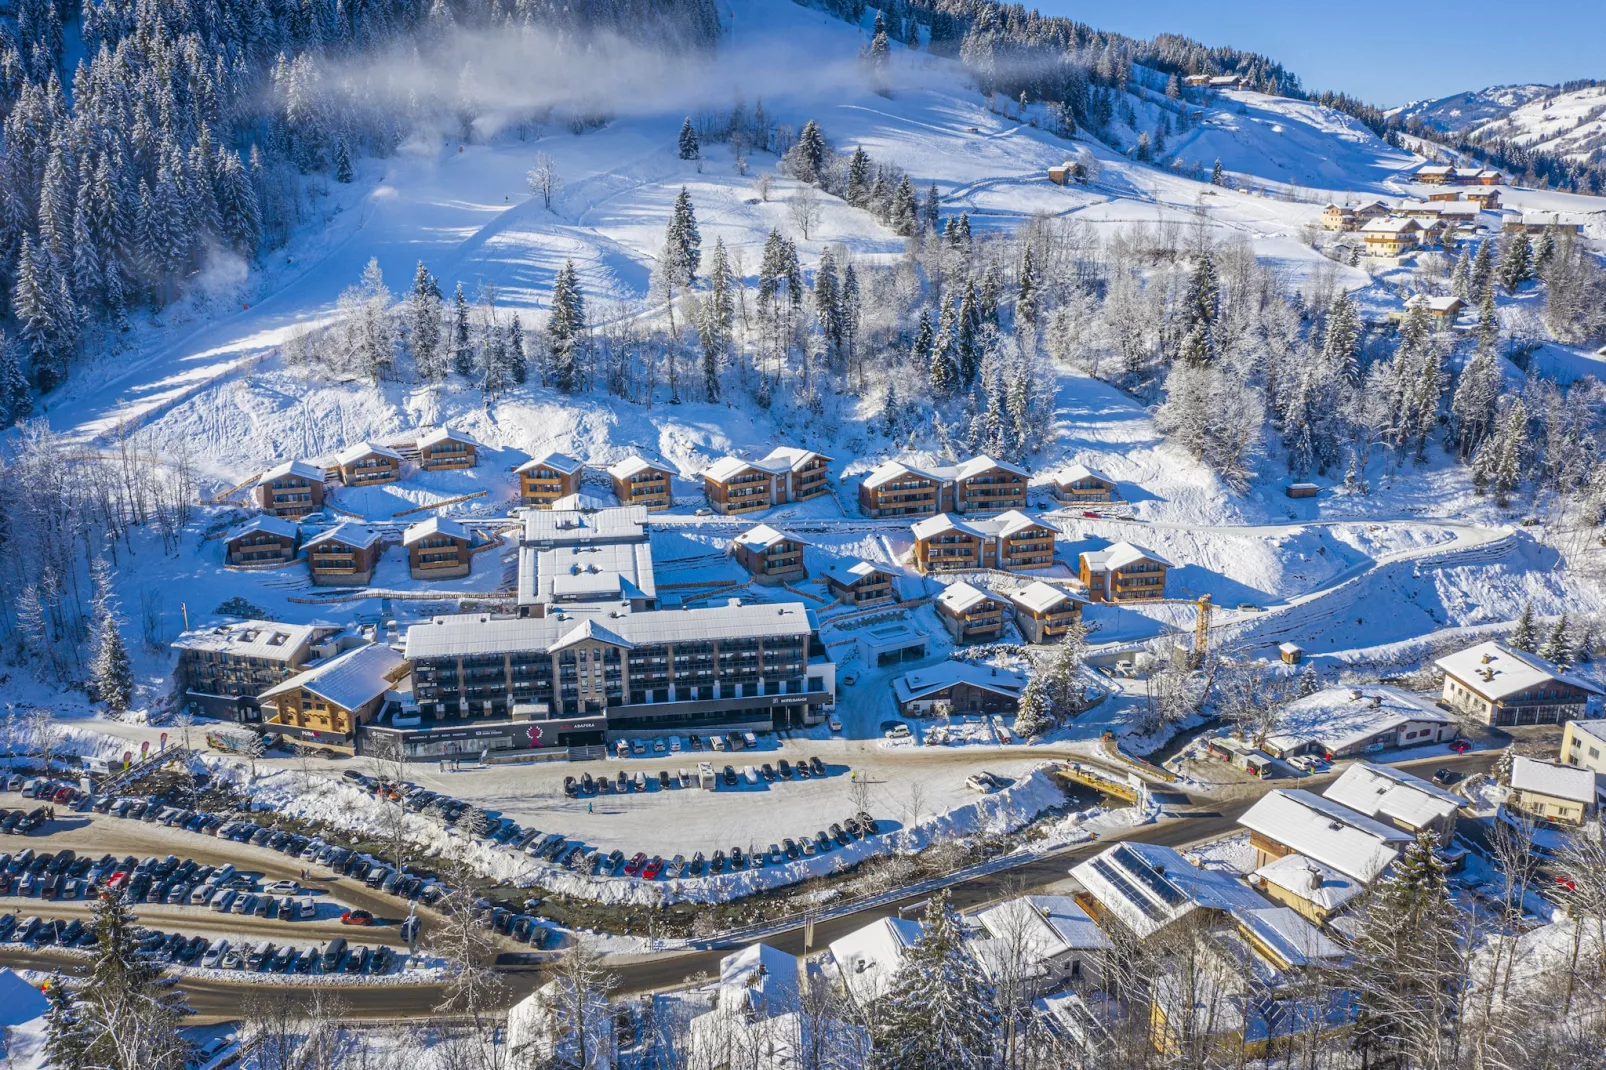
(1433, 48)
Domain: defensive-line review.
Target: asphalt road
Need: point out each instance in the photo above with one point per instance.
(214, 1000)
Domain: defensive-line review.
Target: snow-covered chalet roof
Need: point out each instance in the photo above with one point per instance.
(435, 525)
(1047, 926)
(765, 978)
(1390, 226)
(1553, 779)
(350, 680)
(634, 465)
(1307, 878)
(763, 537)
(1148, 887)
(273, 525)
(1039, 597)
(847, 573)
(445, 434)
(268, 639)
(928, 681)
(558, 462)
(789, 458)
(1121, 555)
(1341, 717)
(932, 526)
(1351, 843)
(868, 958)
(302, 469)
(352, 454)
(983, 463)
(962, 597)
(1077, 472)
(1383, 791)
(346, 533)
(1496, 671)
(582, 503)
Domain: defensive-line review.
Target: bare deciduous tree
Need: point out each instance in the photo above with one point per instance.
(543, 179)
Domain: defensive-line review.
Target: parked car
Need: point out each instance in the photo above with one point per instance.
(817, 766)
(1445, 777)
(786, 769)
(633, 867)
(730, 776)
(1460, 746)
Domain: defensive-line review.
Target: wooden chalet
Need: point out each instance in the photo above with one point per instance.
(327, 704)
(293, 489)
(1011, 542)
(545, 479)
(640, 482)
(343, 556)
(770, 555)
(979, 485)
(1338, 217)
(367, 464)
(1391, 237)
(1079, 483)
(1502, 686)
(262, 540)
(859, 583)
(445, 450)
(1123, 572)
(1044, 613)
(437, 548)
(958, 687)
(785, 474)
(971, 614)
(1484, 197)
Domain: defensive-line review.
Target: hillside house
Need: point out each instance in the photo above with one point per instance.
(545, 1029)
(445, 450)
(1443, 309)
(1305, 885)
(1080, 484)
(1123, 572)
(367, 464)
(637, 481)
(1043, 943)
(785, 474)
(979, 485)
(1044, 613)
(1338, 217)
(970, 614)
(1391, 237)
(1294, 821)
(437, 548)
(1535, 223)
(1502, 686)
(1371, 210)
(326, 704)
(1550, 791)
(1583, 744)
(343, 556)
(868, 959)
(859, 583)
(1346, 722)
(262, 540)
(1011, 542)
(223, 669)
(1434, 174)
(958, 687)
(293, 489)
(1487, 200)
(1195, 81)
(1477, 176)
(770, 555)
(1397, 798)
(545, 479)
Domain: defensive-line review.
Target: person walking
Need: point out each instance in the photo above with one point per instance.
(588, 808)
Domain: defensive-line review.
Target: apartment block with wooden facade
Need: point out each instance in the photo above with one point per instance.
(545, 479)
(983, 485)
(859, 583)
(786, 474)
(261, 541)
(367, 464)
(294, 488)
(770, 555)
(971, 614)
(1123, 572)
(979, 485)
(343, 556)
(637, 481)
(222, 669)
(328, 703)
(1012, 542)
(437, 548)
(446, 450)
(1044, 613)
(1502, 686)
(1079, 483)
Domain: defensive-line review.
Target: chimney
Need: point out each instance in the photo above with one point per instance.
(1315, 879)
(1487, 658)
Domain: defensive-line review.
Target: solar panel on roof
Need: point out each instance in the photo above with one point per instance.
(1169, 893)
(1127, 889)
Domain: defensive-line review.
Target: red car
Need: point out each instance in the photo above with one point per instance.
(62, 795)
(633, 866)
(1460, 746)
(356, 917)
(118, 882)
(655, 867)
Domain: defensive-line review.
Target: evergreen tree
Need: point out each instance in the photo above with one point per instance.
(827, 307)
(1543, 250)
(1488, 332)
(343, 171)
(1341, 339)
(1558, 646)
(889, 412)
(690, 147)
(1516, 262)
(566, 329)
(1031, 716)
(518, 364)
(1584, 652)
(1497, 465)
(110, 668)
(1027, 295)
(424, 311)
(859, 179)
(880, 51)
(462, 343)
(1461, 275)
(808, 155)
(966, 352)
(130, 1013)
(1473, 407)
(944, 365)
(939, 1012)
(1482, 267)
(66, 1041)
(929, 210)
(16, 403)
(1525, 636)
(920, 351)
(682, 253)
(904, 210)
(1217, 176)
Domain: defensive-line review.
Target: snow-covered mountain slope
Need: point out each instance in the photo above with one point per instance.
(1569, 124)
(1463, 110)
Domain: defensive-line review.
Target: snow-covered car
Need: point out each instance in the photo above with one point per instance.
(835, 724)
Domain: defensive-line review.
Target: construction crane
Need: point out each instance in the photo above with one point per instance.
(1201, 633)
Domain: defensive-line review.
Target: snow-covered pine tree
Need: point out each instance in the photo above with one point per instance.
(1341, 338)
(944, 363)
(1217, 176)
(518, 366)
(1543, 250)
(1558, 646)
(566, 329)
(1031, 716)
(690, 147)
(1516, 262)
(1483, 267)
(16, 402)
(920, 350)
(967, 354)
(857, 192)
(880, 51)
(110, 668)
(828, 307)
(939, 1012)
(808, 154)
(1498, 464)
(905, 218)
(889, 412)
(1473, 406)
(929, 210)
(424, 311)
(1026, 296)
(1525, 636)
(462, 339)
(124, 987)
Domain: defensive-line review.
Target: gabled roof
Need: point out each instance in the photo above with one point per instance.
(847, 573)
(1553, 779)
(1287, 936)
(445, 434)
(1307, 878)
(590, 629)
(977, 465)
(1351, 843)
(1390, 226)
(364, 449)
(268, 639)
(1047, 926)
(20, 1002)
(350, 680)
(1497, 671)
(561, 462)
(1040, 597)
(1121, 555)
(887, 471)
(273, 525)
(726, 467)
(580, 503)
(1383, 791)
(928, 681)
(634, 465)
(765, 978)
(1341, 717)
(763, 537)
(1435, 169)
(1148, 887)
(959, 597)
(868, 958)
(936, 525)
(1081, 471)
(789, 458)
(435, 525)
(347, 533)
(303, 469)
